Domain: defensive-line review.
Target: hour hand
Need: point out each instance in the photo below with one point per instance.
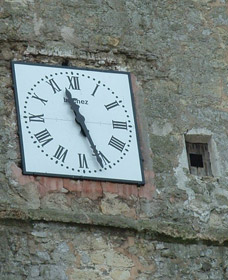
(78, 116)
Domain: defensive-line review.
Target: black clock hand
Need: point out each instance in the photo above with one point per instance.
(79, 118)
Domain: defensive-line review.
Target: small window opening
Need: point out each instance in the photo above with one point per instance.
(198, 159)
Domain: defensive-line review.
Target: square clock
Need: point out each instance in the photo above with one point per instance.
(77, 123)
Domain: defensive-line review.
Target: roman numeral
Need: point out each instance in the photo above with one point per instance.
(119, 125)
(104, 159)
(82, 161)
(95, 90)
(36, 118)
(43, 137)
(53, 85)
(116, 143)
(112, 105)
(74, 82)
(38, 98)
(61, 153)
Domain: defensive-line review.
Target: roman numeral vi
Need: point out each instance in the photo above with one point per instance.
(82, 161)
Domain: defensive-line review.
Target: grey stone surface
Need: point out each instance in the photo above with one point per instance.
(96, 253)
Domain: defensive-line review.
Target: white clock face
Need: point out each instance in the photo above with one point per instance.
(77, 123)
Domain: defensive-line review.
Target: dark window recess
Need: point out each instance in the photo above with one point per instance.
(199, 159)
(196, 160)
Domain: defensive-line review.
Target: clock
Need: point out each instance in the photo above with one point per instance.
(77, 123)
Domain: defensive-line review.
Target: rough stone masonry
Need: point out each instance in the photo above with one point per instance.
(174, 227)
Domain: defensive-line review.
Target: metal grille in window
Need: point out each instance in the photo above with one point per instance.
(199, 159)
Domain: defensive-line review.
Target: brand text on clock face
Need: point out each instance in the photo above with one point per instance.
(77, 101)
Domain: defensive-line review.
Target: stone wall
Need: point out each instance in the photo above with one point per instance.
(36, 251)
(174, 227)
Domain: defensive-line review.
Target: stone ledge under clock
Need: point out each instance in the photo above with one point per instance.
(152, 228)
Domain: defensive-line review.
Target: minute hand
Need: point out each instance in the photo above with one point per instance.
(79, 118)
